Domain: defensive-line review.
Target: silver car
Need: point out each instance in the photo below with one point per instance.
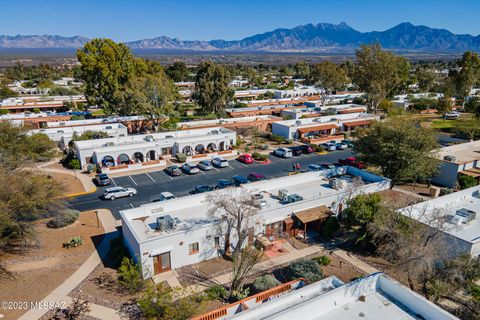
(118, 192)
(205, 165)
(164, 196)
(283, 153)
(220, 162)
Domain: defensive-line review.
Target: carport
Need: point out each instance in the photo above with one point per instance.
(311, 219)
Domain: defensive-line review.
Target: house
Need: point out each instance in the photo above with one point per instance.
(134, 151)
(322, 129)
(180, 232)
(461, 212)
(457, 159)
(300, 91)
(261, 122)
(375, 297)
(311, 111)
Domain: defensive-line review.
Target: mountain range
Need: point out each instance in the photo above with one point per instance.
(322, 37)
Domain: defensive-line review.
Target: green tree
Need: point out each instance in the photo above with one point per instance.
(468, 128)
(466, 182)
(6, 92)
(301, 70)
(401, 148)
(130, 276)
(328, 77)
(106, 67)
(211, 87)
(178, 71)
(469, 73)
(362, 209)
(425, 78)
(379, 73)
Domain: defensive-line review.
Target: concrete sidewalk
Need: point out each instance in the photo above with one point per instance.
(60, 294)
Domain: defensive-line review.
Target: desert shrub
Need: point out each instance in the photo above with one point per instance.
(181, 157)
(317, 148)
(305, 268)
(264, 147)
(323, 260)
(466, 182)
(259, 156)
(130, 276)
(276, 138)
(288, 141)
(330, 226)
(239, 294)
(74, 164)
(73, 242)
(265, 282)
(216, 292)
(64, 218)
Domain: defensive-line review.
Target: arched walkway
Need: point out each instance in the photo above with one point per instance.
(200, 148)
(138, 157)
(221, 146)
(187, 150)
(212, 147)
(123, 159)
(108, 161)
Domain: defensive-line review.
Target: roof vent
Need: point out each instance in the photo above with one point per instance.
(450, 158)
(166, 223)
(149, 138)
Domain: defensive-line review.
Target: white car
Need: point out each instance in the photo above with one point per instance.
(164, 196)
(452, 115)
(205, 165)
(283, 153)
(220, 162)
(190, 168)
(329, 146)
(118, 192)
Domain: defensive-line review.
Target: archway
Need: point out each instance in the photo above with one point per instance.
(151, 155)
(221, 146)
(138, 157)
(108, 161)
(187, 150)
(123, 159)
(200, 148)
(212, 147)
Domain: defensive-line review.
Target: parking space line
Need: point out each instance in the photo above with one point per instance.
(150, 177)
(132, 205)
(133, 180)
(170, 176)
(113, 182)
(216, 169)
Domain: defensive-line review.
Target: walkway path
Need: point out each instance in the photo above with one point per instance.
(353, 260)
(60, 294)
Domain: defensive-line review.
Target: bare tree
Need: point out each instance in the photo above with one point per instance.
(243, 263)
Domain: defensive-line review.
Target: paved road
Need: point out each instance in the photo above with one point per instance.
(149, 185)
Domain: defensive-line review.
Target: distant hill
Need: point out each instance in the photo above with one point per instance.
(322, 37)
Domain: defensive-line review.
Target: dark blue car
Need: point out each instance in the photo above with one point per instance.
(239, 180)
(224, 183)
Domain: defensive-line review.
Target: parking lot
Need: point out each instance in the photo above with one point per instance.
(150, 185)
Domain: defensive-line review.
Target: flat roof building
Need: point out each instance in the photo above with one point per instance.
(294, 205)
(312, 112)
(262, 122)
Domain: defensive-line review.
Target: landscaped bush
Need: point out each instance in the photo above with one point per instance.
(73, 242)
(74, 164)
(305, 268)
(322, 260)
(276, 138)
(130, 276)
(239, 294)
(265, 282)
(181, 157)
(317, 148)
(264, 147)
(289, 141)
(216, 292)
(63, 219)
(259, 156)
(466, 182)
(330, 226)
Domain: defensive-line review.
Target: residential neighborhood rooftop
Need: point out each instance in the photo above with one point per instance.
(460, 153)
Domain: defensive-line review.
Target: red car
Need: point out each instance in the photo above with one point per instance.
(352, 161)
(245, 158)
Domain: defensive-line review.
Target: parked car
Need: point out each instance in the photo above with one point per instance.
(348, 142)
(328, 166)
(205, 165)
(306, 149)
(352, 161)
(341, 146)
(329, 146)
(190, 168)
(102, 179)
(253, 176)
(118, 192)
(220, 162)
(283, 153)
(239, 180)
(296, 151)
(245, 158)
(164, 196)
(201, 188)
(173, 171)
(452, 115)
(224, 183)
(314, 167)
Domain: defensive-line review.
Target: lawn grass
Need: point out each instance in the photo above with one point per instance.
(444, 124)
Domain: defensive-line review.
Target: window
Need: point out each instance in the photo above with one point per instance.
(217, 242)
(193, 248)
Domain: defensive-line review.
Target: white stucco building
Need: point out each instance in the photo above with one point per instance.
(132, 149)
(310, 112)
(188, 234)
(461, 213)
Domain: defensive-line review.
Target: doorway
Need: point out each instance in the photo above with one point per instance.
(161, 263)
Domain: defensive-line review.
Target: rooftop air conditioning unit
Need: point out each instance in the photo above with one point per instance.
(298, 122)
(450, 158)
(149, 138)
(109, 144)
(282, 194)
(338, 184)
(166, 223)
(464, 215)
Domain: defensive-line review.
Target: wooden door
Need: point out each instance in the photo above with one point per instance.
(161, 263)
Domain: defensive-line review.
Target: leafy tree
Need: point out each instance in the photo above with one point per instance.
(329, 77)
(469, 128)
(6, 92)
(379, 73)
(211, 87)
(402, 149)
(106, 67)
(130, 276)
(163, 303)
(301, 70)
(466, 182)
(178, 71)
(151, 95)
(330, 226)
(425, 78)
(469, 73)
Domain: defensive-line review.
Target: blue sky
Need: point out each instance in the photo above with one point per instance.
(126, 20)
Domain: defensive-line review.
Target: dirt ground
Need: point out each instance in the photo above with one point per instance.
(397, 199)
(70, 183)
(419, 188)
(41, 269)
